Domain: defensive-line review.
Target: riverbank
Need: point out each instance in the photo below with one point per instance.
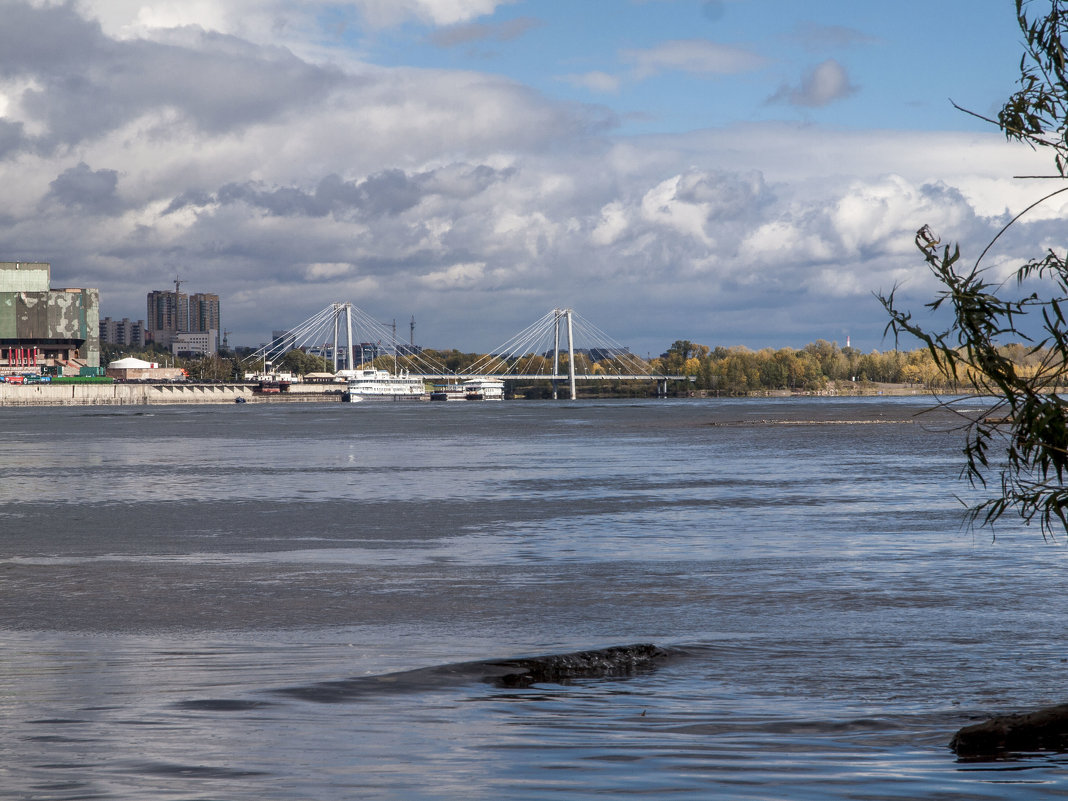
(138, 394)
(843, 389)
(150, 394)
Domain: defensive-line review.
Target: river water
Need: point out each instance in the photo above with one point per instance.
(298, 602)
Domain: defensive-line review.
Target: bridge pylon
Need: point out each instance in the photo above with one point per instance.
(566, 314)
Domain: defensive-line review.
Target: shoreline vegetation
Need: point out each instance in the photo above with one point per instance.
(819, 368)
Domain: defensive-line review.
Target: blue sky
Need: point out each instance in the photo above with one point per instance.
(740, 172)
(903, 60)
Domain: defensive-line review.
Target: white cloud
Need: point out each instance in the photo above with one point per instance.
(612, 224)
(455, 277)
(326, 270)
(133, 19)
(662, 205)
(296, 24)
(821, 85)
(782, 242)
(595, 81)
(838, 283)
(700, 56)
(384, 13)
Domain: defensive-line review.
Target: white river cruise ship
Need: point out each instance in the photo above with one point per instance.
(372, 384)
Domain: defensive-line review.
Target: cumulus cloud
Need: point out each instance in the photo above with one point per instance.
(821, 85)
(611, 225)
(284, 185)
(72, 83)
(699, 56)
(703, 206)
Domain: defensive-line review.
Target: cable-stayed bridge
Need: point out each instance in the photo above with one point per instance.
(559, 347)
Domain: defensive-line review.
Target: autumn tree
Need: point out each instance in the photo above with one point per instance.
(298, 362)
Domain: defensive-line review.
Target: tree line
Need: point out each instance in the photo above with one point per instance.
(816, 367)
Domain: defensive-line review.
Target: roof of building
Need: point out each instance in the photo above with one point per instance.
(130, 363)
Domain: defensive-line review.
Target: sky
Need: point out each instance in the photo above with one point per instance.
(730, 172)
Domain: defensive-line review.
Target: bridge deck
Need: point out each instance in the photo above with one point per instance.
(543, 377)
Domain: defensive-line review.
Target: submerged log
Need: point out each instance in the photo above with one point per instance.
(617, 661)
(1043, 730)
(613, 662)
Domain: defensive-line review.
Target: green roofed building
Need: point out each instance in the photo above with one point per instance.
(41, 326)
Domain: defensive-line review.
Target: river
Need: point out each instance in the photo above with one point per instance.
(302, 601)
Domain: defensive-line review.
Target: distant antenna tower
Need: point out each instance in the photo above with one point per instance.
(226, 343)
(411, 340)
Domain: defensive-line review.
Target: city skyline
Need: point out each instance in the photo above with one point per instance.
(182, 321)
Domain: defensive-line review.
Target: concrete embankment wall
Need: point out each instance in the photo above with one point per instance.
(140, 394)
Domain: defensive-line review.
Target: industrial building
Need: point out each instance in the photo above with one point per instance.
(45, 327)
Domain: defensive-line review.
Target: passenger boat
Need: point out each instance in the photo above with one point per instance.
(372, 384)
(471, 389)
(483, 389)
(448, 392)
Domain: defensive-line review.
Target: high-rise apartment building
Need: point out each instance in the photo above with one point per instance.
(204, 312)
(122, 332)
(166, 315)
(170, 313)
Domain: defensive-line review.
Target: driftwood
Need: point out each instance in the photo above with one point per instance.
(1043, 730)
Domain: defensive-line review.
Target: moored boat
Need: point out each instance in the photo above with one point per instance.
(448, 392)
(373, 384)
(483, 389)
(471, 389)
